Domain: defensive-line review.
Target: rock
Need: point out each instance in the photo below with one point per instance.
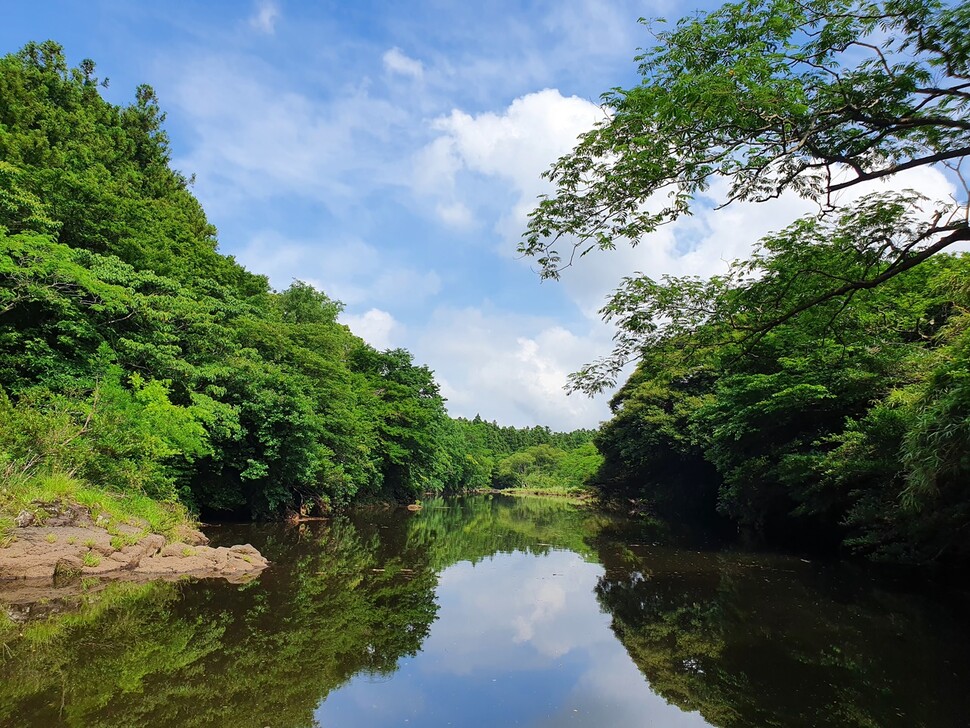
(152, 543)
(191, 536)
(69, 515)
(245, 550)
(62, 553)
(176, 548)
(25, 519)
(104, 548)
(68, 566)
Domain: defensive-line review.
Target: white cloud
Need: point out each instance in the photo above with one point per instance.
(265, 17)
(346, 268)
(519, 144)
(511, 367)
(395, 61)
(512, 148)
(455, 214)
(255, 139)
(378, 328)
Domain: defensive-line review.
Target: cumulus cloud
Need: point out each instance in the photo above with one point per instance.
(395, 61)
(378, 328)
(513, 148)
(346, 268)
(524, 139)
(265, 16)
(511, 367)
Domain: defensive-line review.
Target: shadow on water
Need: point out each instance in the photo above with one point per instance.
(489, 611)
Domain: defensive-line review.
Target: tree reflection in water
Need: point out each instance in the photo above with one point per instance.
(743, 640)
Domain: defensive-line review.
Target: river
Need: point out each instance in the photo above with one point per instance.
(493, 611)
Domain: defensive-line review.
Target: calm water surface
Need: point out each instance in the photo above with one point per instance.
(491, 612)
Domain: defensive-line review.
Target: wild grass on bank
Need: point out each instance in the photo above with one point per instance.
(32, 493)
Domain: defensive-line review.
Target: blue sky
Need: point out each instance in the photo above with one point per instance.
(389, 153)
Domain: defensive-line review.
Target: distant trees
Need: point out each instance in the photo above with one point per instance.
(529, 457)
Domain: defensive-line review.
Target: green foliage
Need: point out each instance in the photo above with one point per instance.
(547, 469)
(138, 359)
(534, 458)
(843, 423)
(771, 95)
(816, 391)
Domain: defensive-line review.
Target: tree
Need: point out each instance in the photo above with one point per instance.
(210, 388)
(809, 96)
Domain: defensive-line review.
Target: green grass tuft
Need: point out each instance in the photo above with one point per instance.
(30, 493)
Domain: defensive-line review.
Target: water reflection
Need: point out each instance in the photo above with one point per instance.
(757, 640)
(518, 641)
(488, 612)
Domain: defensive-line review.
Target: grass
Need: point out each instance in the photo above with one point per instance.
(30, 493)
(537, 484)
(51, 538)
(7, 524)
(8, 628)
(91, 559)
(119, 541)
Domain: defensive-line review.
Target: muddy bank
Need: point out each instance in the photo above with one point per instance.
(70, 544)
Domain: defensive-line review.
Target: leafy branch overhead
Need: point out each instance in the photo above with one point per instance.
(812, 97)
(815, 267)
(817, 391)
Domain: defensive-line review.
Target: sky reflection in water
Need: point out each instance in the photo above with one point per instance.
(491, 612)
(520, 640)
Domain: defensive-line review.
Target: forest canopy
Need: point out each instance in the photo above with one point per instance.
(818, 390)
(137, 358)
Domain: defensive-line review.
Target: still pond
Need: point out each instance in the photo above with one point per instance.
(493, 611)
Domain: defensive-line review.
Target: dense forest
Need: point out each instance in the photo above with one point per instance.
(817, 393)
(136, 358)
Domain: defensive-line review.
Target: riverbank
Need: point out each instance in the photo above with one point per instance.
(569, 495)
(60, 541)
